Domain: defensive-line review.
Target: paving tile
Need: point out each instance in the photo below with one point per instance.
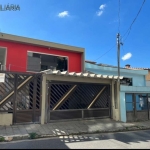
(28, 128)
(16, 131)
(45, 129)
(42, 131)
(3, 132)
(50, 129)
(22, 129)
(9, 129)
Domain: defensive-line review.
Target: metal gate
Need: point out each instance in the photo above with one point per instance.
(137, 106)
(78, 101)
(20, 94)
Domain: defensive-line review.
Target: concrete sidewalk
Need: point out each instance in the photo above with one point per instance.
(19, 132)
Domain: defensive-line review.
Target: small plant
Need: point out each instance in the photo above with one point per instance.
(2, 139)
(97, 131)
(33, 135)
(127, 128)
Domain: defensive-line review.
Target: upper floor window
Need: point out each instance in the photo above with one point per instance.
(38, 62)
(126, 81)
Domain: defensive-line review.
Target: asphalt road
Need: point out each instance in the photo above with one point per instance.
(128, 140)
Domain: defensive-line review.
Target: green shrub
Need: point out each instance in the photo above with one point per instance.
(2, 139)
(33, 135)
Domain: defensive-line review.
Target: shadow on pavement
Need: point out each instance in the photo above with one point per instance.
(35, 144)
(62, 141)
(125, 137)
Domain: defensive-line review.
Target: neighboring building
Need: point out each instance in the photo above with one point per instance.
(25, 54)
(134, 94)
(147, 76)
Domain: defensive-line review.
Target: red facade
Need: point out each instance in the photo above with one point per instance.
(16, 58)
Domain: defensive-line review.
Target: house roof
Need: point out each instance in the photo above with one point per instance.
(133, 68)
(20, 39)
(106, 65)
(100, 64)
(91, 62)
(98, 68)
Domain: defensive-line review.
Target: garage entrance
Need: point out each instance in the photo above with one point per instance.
(70, 95)
(78, 101)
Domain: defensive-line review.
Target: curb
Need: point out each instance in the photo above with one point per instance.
(27, 136)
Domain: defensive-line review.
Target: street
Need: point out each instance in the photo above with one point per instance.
(128, 140)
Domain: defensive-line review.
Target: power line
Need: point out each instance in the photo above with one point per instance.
(123, 50)
(118, 32)
(119, 17)
(129, 29)
(106, 52)
(127, 32)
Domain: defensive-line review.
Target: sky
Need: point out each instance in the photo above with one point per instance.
(90, 24)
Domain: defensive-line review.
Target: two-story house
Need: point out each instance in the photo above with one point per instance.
(22, 54)
(46, 81)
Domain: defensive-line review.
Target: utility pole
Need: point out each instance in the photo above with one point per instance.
(118, 57)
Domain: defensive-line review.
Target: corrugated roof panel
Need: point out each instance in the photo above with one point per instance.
(80, 74)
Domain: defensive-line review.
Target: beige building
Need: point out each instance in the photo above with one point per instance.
(148, 78)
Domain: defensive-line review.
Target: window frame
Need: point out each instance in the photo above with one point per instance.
(126, 83)
(30, 51)
(134, 101)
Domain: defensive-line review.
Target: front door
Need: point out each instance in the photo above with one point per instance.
(137, 107)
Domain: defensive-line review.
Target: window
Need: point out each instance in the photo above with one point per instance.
(44, 67)
(126, 81)
(129, 102)
(141, 101)
(38, 62)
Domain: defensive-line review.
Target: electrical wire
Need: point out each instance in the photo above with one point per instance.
(129, 29)
(123, 50)
(119, 16)
(118, 31)
(105, 52)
